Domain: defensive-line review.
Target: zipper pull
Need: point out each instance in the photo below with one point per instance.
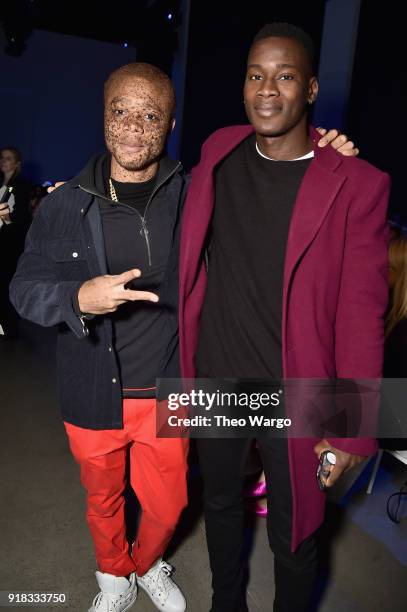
(144, 231)
(85, 330)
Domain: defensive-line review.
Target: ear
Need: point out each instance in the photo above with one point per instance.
(312, 90)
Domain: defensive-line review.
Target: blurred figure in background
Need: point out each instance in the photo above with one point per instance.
(38, 193)
(395, 359)
(15, 220)
(395, 348)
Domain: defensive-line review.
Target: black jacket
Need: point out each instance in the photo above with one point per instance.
(64, 248)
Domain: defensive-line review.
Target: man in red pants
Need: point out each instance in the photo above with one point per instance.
(99, 262)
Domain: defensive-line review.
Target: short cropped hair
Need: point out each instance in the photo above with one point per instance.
(287, 30)
(149, 73)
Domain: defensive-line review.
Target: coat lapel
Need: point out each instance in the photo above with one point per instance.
(316, 195)
(199, 204)
(92, 226)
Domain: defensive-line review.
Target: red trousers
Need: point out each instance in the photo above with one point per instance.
(157, 474)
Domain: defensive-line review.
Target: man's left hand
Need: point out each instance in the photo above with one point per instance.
(344, 461)
(338, 141)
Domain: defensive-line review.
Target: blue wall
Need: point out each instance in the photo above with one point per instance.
(51, 101)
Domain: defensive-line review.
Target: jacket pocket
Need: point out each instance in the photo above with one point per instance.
(66, 250)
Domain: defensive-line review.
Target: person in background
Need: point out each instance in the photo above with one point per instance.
(395, 357)
(14, 223)
(395, 347)
(38, 193)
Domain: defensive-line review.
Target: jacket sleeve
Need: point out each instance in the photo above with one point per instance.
(35, 290)
(359, 325)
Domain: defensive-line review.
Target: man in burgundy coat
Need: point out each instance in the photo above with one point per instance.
(296, 287)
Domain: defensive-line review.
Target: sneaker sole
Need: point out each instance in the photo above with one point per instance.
(129, 605)
(158, 606)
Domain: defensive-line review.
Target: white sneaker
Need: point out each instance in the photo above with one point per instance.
(164, 593)
(116, 594)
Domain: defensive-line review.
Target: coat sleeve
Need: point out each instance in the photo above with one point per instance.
(36, 292)
(359, 325)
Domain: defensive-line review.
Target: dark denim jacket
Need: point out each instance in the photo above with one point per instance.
(64, 248)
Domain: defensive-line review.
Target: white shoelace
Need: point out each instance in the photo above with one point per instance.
(161, 577)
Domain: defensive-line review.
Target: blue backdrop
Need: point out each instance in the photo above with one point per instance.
(51, 101)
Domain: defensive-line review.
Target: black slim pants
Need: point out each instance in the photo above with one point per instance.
(223, 464)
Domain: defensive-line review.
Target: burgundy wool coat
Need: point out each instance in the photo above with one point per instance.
(335, 287)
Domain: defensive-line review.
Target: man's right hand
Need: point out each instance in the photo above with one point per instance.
(104, 294)
(52, 188)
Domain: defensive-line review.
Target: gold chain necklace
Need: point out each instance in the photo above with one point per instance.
(113, 194)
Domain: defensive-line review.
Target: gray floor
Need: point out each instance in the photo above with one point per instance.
(45, 545)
